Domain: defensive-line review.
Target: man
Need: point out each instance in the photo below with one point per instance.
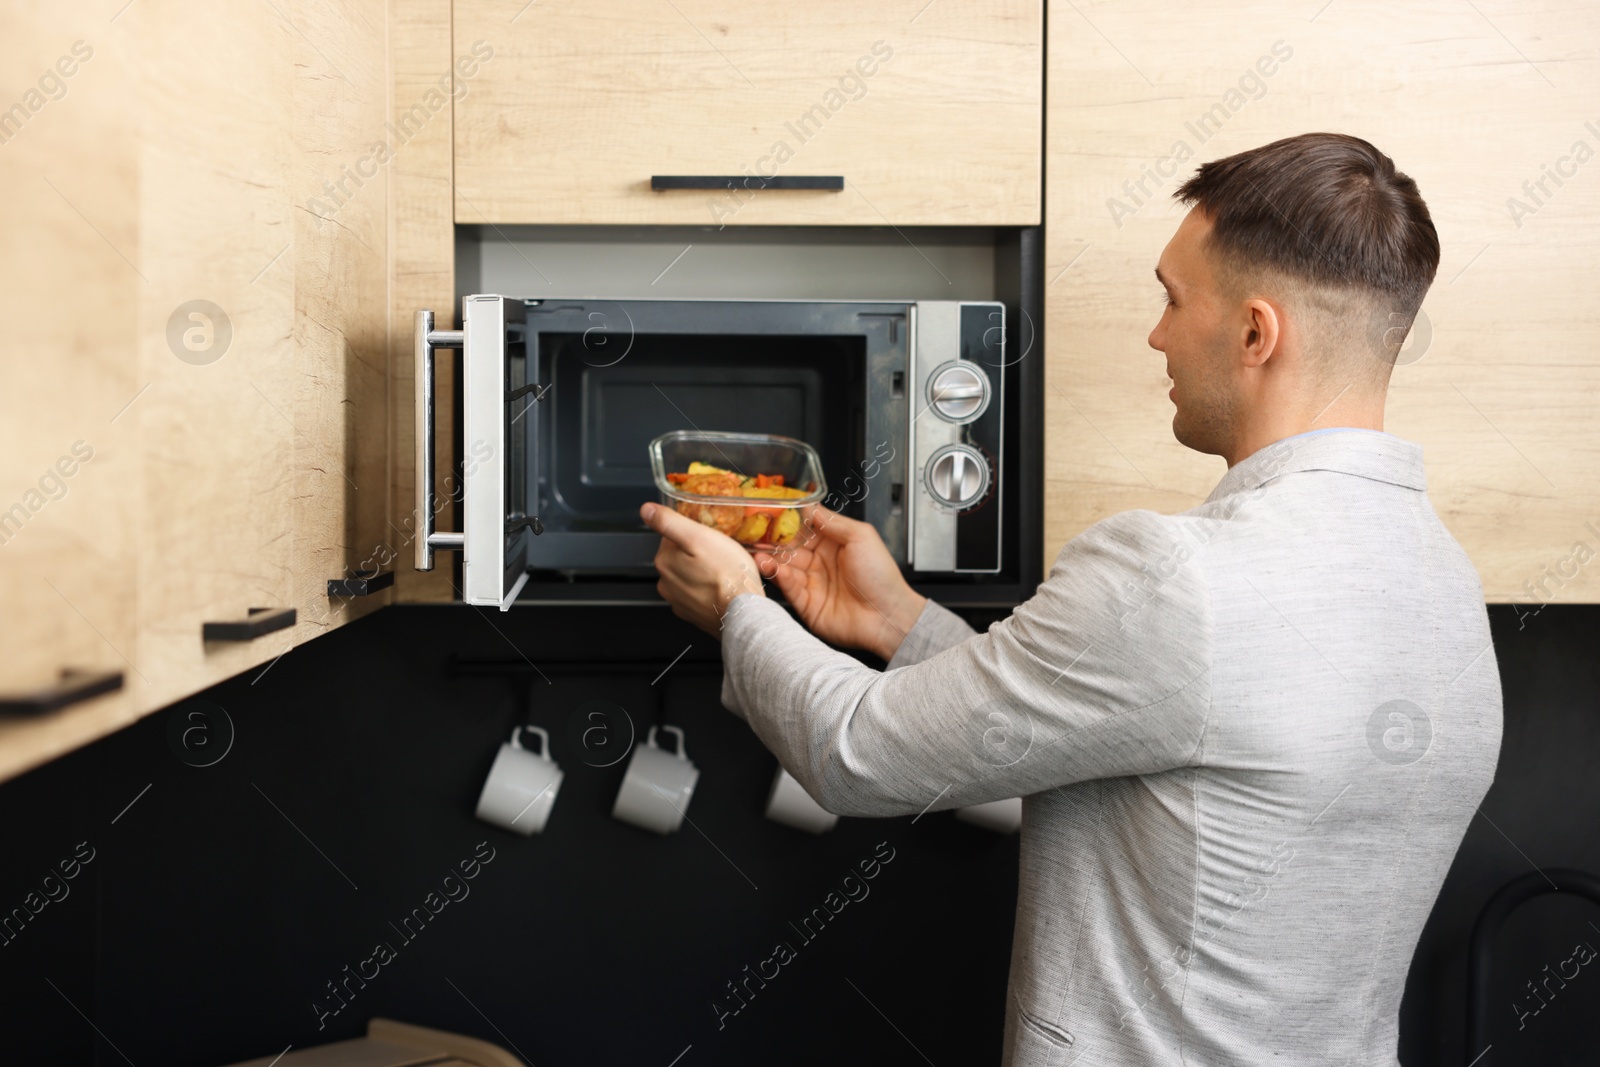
(1249, 736)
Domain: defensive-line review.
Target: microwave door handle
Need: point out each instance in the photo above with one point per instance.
(425, 340)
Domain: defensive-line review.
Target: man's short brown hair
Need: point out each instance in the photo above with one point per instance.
(1322, 209)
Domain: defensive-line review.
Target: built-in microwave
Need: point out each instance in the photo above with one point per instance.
(926, 413)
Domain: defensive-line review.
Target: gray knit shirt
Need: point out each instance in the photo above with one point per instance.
(1248, 737)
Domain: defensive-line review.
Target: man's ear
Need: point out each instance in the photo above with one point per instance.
(1262, 329)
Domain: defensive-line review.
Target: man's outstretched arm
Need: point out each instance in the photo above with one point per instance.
(1104, 672)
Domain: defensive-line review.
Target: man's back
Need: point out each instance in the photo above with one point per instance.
(1261, 904)
(1249, 739)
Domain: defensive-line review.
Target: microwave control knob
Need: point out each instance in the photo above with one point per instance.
(958, 391)
(958, 476)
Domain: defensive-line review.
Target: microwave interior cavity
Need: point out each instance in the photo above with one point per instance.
(609, 376)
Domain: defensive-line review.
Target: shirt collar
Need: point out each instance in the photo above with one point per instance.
(1372, 454)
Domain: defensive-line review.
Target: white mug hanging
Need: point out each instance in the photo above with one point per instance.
(790, 804)
(658, 785)
(522, 785)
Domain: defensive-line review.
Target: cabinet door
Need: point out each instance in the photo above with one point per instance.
(217, 328)
(566, 111)
(340, 265)
(198, 424)
(1498, 382)
(69, 481)
(266, 448)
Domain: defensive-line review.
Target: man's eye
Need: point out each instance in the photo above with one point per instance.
(1166, 299)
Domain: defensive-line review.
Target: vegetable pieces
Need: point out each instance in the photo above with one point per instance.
(749, 524)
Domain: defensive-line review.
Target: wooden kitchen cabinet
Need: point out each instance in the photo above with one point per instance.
(266, 466)
(1499, 382)
(424, 254)
(212, 326)
(69, 465)
(930, 112)
(218, 416)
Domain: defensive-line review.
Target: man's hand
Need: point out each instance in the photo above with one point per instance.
(701, 569)
(842, 581)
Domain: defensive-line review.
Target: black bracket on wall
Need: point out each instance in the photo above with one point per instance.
(459, 667)
(75, 685)
(523, 671)
(258, 623)
(360, 585)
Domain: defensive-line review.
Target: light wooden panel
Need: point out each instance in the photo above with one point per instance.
(340, 391)
(69, 290)
(216, 224)
(216, 484)
(423, 236)
(582, 103)
(1471, 102)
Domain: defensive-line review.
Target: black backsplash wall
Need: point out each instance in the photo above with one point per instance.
(1543, 811)
(216, 908)
(219, 904)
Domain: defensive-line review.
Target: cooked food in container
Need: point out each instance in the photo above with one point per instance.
(699, 473)
(749, 525)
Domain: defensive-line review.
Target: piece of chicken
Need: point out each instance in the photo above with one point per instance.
(712, 483)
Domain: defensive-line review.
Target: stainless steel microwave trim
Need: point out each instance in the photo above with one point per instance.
(936, 349)
(424, 340)
(935, 341)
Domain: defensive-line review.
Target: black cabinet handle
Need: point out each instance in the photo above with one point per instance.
(827, 182)
(360, 585)
(75, 685)
(259, 622)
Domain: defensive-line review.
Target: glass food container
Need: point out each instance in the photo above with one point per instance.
(766, 515)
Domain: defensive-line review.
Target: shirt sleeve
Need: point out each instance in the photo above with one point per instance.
(1104, 672)
(936, 629)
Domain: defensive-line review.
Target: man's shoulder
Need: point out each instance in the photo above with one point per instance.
(1136, 527)
(1133, 538)
(1126, 562)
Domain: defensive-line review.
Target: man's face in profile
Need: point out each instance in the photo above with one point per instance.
(1194, 335)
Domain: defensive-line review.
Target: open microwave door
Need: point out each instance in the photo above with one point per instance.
(495, 397)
